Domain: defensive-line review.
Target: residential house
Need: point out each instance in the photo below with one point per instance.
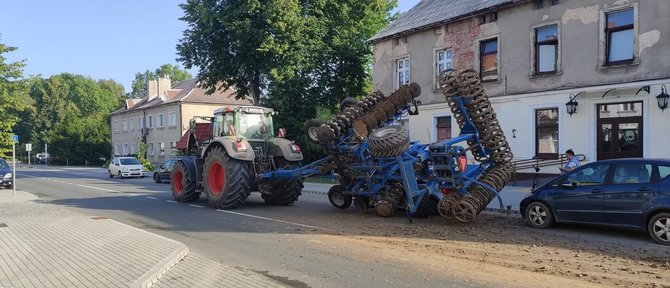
(162, 118)
(580, 74)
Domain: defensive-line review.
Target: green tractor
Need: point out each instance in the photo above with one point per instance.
(230, 164)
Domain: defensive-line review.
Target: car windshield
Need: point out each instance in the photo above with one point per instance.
(3, 164)
(130, 161)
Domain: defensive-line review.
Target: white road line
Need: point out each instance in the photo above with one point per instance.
(103, 189)
(171, 201)
(275, 220)
(27, 175)
(133, 195)
(154, 198)
(196, 206)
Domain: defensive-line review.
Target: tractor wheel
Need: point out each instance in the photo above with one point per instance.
(388, 141)
(310, 129)
(425, 207)
(183, 188)
(227, 180)
(285, 192)
(338, 198)
(348, 102)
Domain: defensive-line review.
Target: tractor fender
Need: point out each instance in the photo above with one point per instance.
(230, 144)
(190, 163)
(282, 147)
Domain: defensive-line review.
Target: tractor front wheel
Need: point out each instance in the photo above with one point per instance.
(227, 180)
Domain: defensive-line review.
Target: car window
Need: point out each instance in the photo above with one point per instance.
(3, 164)
(632, 173)
(130, 161)
(663, 171)
(589, 175)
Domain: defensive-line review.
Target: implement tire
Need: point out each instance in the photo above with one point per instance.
(338, 197)
(310, 129)
(183, 188)
(425, 207)
(388, 141)
(227, 180)
(284, 193)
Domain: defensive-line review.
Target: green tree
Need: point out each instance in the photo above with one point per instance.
(12, 87)
(139, 85)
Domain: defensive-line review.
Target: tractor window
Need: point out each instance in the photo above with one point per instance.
(218, 119)
(255, 126)
(228, 124)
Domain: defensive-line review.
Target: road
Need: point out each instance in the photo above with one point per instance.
(289, 244)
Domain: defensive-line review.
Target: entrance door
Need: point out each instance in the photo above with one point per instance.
(619, 129)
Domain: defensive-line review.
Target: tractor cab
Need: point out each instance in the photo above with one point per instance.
(251, 123)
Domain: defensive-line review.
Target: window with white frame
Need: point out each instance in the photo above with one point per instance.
(124, 125)
(162, 148)
(140, 122)
(115, 126)
(159, 121)
(546, 133)
(402, 71)
(132, 148)
(488, 59)
(125, 148)
(116, 149)
(149, 121)
(546, 49)
(172, 119)
(619, 36)
(443, 61)
(132, 124)
(150, 149)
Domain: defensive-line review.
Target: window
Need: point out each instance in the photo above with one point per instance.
(546, 49)
(159, 121)
(443, 62)
(402, 71)
(132, 148)
(162, 148)
(539, 4)
(140, 122)
(663, 171)
(132, 124)
(125, 149)
(172, 119)
(554, 2)
(632, 173)
(115, 126)
(149, 121)
(627, 107)
(619, 34)
(488, 59)
(546, 133)
(443, 128)
(116, 149)
(151, 149)
(487, 18)
(589, 176)
(125, 125)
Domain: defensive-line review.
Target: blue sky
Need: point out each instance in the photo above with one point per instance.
(98, 39)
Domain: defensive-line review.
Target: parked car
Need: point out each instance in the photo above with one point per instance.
(125, 167)
(6, 174)
(162, 172)
(42, 158)
(624, 193)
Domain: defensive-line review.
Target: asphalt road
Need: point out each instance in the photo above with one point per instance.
(266, 239)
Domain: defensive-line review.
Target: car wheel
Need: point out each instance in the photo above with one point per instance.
(659, 228)
(120, 176)
(110, 174)
(156, 178)
(538, 215)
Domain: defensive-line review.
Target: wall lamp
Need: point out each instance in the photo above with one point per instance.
(571, 106)
(662, 98)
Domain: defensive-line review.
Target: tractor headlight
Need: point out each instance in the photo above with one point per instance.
(240, 147)
(8, 175)
(295, 148)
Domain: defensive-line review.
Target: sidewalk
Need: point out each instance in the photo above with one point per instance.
(44, 245)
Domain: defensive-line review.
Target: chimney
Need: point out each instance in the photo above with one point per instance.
(164, 84)
(152, 89)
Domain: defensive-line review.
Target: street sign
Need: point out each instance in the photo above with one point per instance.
(15, 138)
(29, 147)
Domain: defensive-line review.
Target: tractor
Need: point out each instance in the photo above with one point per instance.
(229, 165)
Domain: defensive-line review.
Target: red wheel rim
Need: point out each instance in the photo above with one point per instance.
(216, 180)
(178, 182)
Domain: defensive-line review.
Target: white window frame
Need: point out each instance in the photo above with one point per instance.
(132, 148)
(159, 121)
(162, 148)
(125, 148)
(132, 124)
(603, 64)
(448, 63)
(172, 119)
(406, 70)
(151, 149)
(116, 150)
(115, 126)
(533, 41)
(150, 121)
(140, 122)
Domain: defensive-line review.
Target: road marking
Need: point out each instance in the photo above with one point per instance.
(27, 175)
(154, 198)
(133, 195)
(196, 206)
(171, 201)
(103, 189)
(275, 220)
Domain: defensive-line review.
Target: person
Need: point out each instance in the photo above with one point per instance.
(572, 163)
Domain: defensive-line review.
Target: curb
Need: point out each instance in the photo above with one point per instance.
(164, 265)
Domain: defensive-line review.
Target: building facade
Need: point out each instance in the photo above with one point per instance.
(162, 118)
(606, 58)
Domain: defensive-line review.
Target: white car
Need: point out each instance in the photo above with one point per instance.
(126, 167)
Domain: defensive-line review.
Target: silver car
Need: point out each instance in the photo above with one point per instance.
(126, 167)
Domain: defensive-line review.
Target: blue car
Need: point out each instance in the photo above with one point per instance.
(6, 174)
(624, 193)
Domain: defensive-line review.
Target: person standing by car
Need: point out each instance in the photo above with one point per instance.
(572, 163)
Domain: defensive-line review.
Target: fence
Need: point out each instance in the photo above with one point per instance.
(542, 162)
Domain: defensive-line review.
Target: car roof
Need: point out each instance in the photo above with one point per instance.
(662, 161)
(125, 157)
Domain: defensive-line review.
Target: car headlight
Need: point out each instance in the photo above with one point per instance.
(125, 170)
(8, 175)
(142, 169)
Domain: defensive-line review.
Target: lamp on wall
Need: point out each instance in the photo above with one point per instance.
(571, 106)
(662, 98)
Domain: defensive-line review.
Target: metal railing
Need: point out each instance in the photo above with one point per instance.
(542, 162)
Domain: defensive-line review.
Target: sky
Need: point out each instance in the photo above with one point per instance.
(95, 38)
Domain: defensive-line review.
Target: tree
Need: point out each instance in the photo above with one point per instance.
(12, 87)
(139, 85)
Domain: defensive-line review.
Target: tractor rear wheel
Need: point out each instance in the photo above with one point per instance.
(227, 180)
(183, 188)
(388, 141)
(285, 192)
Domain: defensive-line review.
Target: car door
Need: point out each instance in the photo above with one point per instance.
(112, 166)
(164, 172)
(634, 189)
(579, 197)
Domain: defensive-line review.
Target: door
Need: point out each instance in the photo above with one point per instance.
(166, 170)
(630, 194)
(619, 129)
(580, 197)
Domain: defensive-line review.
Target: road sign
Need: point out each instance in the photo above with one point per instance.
(29, 147)
(15, 138)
